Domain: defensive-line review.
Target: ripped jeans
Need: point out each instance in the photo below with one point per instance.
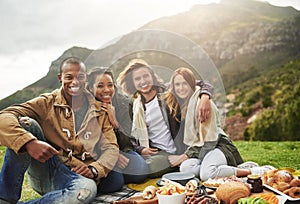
(52, 179)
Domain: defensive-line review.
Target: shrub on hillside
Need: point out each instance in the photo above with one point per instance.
(280, 123)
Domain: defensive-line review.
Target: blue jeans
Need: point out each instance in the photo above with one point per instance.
(136, 172)
(52, 179)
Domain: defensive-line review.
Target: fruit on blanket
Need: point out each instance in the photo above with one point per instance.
(170, 188)
(269, 197)
(252, 201)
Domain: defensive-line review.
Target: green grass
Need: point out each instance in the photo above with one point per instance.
(277, 154)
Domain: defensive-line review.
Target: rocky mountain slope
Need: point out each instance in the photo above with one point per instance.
(242, 37)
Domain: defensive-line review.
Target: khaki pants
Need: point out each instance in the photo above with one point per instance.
(159, 165)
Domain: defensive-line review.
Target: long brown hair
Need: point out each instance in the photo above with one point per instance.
(125, 77)
(173, 102)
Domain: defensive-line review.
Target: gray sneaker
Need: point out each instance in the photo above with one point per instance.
(248, 165)
(261, 169)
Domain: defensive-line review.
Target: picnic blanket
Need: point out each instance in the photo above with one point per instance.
(126, 192)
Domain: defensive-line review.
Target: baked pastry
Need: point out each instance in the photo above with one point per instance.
(295, 183)
(149, 192)
(282, 186)
(283, 181)
(191, 186)
(230, 192)
(293, 192)
(283, 176)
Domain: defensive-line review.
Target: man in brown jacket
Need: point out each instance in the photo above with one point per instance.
(66, 154)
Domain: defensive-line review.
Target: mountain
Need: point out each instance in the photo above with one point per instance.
(244, 40)
(243, 37)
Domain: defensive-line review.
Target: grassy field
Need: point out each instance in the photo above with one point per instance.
(277, 154)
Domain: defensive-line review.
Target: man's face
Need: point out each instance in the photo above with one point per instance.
(142, 80)
(73, 79)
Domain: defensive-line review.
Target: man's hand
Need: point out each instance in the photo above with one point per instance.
(176, 160)
(204, 108)
(146, 152)
(39, 150)
(83, 170)
(122, 161)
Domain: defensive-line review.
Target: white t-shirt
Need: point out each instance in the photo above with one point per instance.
(158, 131)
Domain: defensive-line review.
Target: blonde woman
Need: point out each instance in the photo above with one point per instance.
(210, 152)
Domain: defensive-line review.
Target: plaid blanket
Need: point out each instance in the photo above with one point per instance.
(120, 195)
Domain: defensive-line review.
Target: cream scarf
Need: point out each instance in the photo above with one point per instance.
(139, 128)
(196, 133)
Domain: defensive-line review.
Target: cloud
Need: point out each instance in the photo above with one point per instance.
(35, 24)
(34, 33)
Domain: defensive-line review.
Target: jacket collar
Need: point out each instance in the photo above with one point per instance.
(61, 101)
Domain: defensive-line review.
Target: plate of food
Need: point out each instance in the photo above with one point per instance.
(287, 195)
(214, 183)
(282, 182)
(179, 177)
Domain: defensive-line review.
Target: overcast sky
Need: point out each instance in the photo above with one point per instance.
(36, 32)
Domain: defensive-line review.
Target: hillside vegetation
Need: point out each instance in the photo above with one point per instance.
(273, 102)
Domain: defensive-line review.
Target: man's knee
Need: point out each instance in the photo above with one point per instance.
(87, 191)
(26, 122)
(32, 126)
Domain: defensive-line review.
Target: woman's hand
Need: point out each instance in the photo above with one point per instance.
(123, 161)
(204, 108)
(176, 160)
(147, 152)
(110, 110)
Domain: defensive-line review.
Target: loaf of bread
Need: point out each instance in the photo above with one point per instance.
(230, 192)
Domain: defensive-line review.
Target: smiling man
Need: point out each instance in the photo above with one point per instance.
(68, 147)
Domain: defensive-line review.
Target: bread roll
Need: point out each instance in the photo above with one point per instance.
(191, 186)
(282, 186)
(283, 176)
(230, 192)
(149, 192)
(295, 183)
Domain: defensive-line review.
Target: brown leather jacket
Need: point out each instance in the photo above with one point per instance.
(94, 144)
